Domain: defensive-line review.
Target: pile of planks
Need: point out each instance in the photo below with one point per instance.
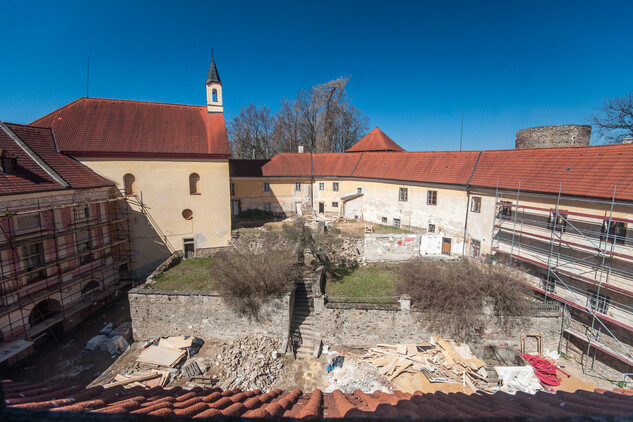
(440, 361)
(145, 379)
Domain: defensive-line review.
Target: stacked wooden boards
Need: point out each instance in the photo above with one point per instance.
(440, 361)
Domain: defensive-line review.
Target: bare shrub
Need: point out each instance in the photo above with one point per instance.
(248, 279)
(452, 295)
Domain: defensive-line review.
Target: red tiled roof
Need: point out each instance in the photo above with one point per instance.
(376, 140)
(93, 126)
(593, 170)
(583, 171)
(199, 403)
(31, 176)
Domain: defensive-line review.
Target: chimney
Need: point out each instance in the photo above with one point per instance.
(300, 149)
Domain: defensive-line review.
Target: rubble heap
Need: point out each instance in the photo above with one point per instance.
(248, 363)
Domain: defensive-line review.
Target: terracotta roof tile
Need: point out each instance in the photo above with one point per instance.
(30, 175)
(91, 126)
(201, 403)
(376, 140)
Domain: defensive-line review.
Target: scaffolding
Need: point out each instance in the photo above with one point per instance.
(59, 255)
(585, 260)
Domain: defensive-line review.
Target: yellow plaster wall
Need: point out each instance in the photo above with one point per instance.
(282, 197)
(163, 186)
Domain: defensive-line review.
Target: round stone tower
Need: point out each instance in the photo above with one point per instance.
(553, 136)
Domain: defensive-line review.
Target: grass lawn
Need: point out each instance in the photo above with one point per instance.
(360, 282)
(188, 274)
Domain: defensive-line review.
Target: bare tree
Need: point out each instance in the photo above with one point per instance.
(320, 118)
(250, 133)
(614, 119)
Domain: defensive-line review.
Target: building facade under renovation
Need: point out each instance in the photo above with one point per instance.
(560, 214)
(64, 239)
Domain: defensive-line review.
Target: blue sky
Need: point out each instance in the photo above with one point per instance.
(414, 66)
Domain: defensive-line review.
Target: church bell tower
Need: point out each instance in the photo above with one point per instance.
(214, 89)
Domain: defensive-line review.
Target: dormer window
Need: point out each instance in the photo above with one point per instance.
(9, 163)
(214, 95)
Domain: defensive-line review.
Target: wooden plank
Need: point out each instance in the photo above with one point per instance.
(399, 371)
(157, 355)
(133, 379)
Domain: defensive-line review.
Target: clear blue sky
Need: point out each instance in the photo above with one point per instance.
(414, 66)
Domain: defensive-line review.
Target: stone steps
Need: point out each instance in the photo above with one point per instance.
(303, 323)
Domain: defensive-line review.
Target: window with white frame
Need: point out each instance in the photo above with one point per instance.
(396, 223)
(359, 190)
(321, 186)
(403, 195)
(33, 257)
(505, 209)
(81, 213)
(334, 186)
(614, 231)
(266, 187)
(298, 186)
(431, 228)
(557, 221)
(475, 204)
(334, 204)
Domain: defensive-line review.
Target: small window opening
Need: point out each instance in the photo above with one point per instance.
(129, 182)
(187, 214)
(214, 95)
(194, 184)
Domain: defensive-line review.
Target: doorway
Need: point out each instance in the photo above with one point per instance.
(446, 246)
(321, 207)
(189, 248)
(235, 207)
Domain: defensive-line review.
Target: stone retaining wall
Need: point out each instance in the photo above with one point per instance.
(157, 313)
(364, 325)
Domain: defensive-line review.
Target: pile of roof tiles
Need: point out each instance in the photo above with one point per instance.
(200, 402)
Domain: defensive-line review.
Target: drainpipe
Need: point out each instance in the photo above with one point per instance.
(466, 222)
(312, 185)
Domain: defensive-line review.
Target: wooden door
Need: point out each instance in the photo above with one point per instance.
(446, 246)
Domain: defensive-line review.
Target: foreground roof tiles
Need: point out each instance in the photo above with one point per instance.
(376, 140)
(31, 176)
(201, 403)
(94, 126)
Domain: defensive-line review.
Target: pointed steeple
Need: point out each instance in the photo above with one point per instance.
(213, 75)
(214, 89)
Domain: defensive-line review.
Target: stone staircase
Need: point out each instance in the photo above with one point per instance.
(302, 326)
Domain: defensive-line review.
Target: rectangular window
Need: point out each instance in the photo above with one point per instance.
(475, 248)
(616, 232)
(557, 221)
(475, 204)
(597, 302)
(334, 204)
(33, 257)
(322, 186)
(431, 197)
(396, 223)
(334, 186)
(431, 228)
(266, 187)
(384, 220)
(81, 213)
(505, 210)
(548, 284)
(359, 190)
(403, 195)
(298, 186)
(232, 189)
(28, 222)
(82, 239)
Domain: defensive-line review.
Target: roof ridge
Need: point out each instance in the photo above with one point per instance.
(52, 113)
(142, 102)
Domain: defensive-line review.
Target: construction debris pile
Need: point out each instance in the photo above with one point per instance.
(248, 363)
(161, 361)
(440, 361)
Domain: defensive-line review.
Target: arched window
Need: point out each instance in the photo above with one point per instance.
(214, 95)
(194, 184)
(128, 183)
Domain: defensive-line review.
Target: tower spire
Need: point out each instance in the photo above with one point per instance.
(214, 88)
